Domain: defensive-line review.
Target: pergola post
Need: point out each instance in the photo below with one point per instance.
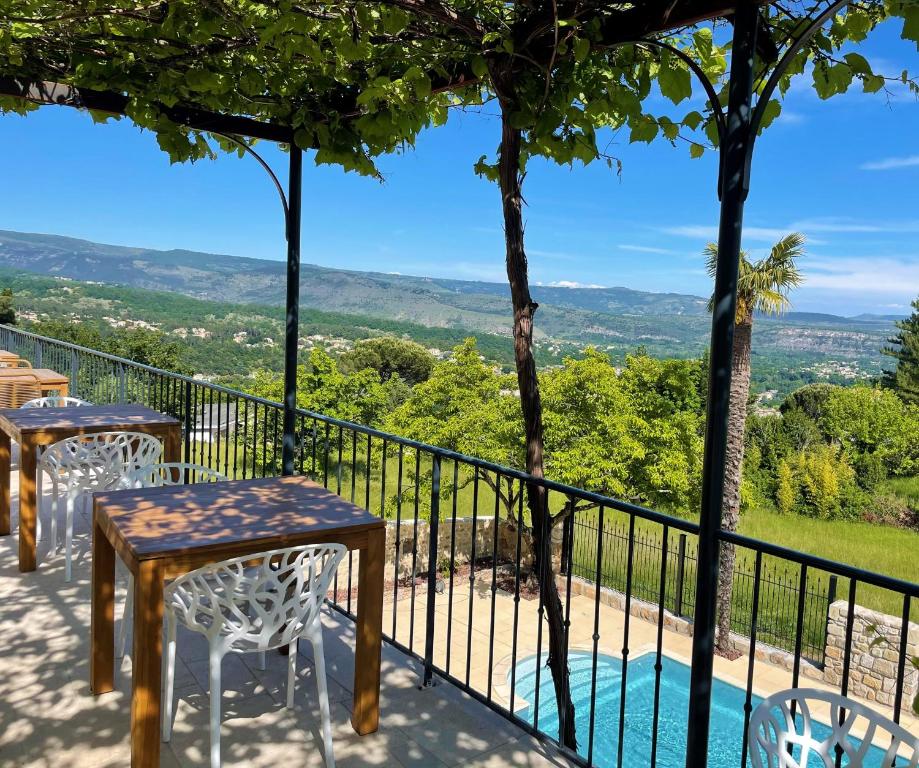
(733, 193)
(292, 327)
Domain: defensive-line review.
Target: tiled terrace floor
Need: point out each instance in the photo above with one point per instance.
(49, 719)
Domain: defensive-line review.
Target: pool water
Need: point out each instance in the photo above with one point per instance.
(727, 718)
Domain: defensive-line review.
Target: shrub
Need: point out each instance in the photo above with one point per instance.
(818, 483)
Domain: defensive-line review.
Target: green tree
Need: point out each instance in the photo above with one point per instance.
(361, 397)
(867, 421)
(762, 286)
(389, 355)
(7, 307)
(82, 334)
(466, 405)
(819, 483)
(147, 347)
(633, 435)
(904, 379)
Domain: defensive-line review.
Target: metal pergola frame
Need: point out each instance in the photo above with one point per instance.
(738, 122)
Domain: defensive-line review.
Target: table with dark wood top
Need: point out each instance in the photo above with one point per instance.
(48, 380)
(35, 427)
(161, 533)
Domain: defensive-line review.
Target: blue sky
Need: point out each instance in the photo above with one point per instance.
(845, 172)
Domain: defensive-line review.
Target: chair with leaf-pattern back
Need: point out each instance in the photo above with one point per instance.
(50, 401)
(253, 603)
(157, 476)
(783, 735)
(93, 462)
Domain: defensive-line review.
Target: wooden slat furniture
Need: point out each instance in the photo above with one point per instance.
(35, 427)
(50, 381)
(8, 357)
(16, 391)
(161, 533)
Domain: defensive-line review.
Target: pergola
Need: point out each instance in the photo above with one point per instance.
(737, 122)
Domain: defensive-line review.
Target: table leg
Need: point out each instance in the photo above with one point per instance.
(63, 390)
(102, 626)
(28, 508)
(365, 717)
(5, 526)
(147, 661)
(172, 445)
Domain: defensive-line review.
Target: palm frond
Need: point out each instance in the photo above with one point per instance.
(763, 286)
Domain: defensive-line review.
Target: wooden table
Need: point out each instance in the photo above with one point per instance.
(161, 533)
(35, 427)
(48, 380)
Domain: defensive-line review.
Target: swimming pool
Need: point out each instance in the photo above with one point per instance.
(727, 719)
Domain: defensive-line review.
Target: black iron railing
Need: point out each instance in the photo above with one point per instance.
(779, 585)
(459, 592)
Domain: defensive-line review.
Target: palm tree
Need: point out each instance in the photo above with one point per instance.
(763, 287)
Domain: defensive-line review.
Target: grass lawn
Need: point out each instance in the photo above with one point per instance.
(907, 487)
(878, 548)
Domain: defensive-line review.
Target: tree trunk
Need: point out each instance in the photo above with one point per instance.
(730, 503)
(537, 501)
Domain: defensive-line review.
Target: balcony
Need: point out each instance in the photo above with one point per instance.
(472, 625)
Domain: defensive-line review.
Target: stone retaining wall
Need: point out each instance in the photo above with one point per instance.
(875, 654)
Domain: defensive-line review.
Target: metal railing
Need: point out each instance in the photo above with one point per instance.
(459, 594)
(779, 586)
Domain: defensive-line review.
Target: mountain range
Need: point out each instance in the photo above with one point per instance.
(665, 323)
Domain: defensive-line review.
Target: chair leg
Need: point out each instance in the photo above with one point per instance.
(38, 495)
(215, 660)
(321, 683)
(126, 618)
(68, 536)
(291, 672)
(55, 511)
(169, 671)
(262, 660)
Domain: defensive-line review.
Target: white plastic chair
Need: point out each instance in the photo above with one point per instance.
(50, 401)
(93, 462)
(156, 476)
(55, 401)
(254, 603)
(790, 742)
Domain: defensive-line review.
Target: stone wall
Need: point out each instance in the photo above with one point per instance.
(462, 547)
(405, 535)
(875, 654)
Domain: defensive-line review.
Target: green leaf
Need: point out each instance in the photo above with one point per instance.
(872, 83)
(911, 24)
(696, 150)
(479, 67)
(643, 128)
(858, 63)
(674, 80)
(693, 120)
(772, 110)
(581, 47)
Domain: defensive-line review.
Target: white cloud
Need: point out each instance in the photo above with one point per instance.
(572, 284)
(853, 226)
(562, 255)
(882, 275)
(710, 233)
(645, 249)
(891, 163)
(791, 117)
